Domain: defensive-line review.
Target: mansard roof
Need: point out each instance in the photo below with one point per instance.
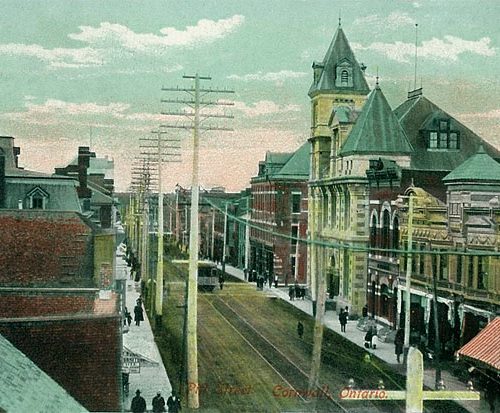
(479, 167)
(416, 115)
(339, 52)
(377, 130)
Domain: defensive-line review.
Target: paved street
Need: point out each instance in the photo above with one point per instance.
(139, 340)
(385, 351)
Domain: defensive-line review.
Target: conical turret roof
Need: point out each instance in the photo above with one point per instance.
(339, 52)
(479, 167)
(377, 130)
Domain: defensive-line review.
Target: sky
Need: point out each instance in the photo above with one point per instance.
(78, 73)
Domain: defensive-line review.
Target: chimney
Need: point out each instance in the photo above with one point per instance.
(9, 152)
(83, 164)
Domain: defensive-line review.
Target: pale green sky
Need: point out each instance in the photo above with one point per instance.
(69, 65)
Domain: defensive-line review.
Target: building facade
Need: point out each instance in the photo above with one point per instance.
(279, 216)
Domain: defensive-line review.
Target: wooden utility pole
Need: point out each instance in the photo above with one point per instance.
(195, 102)
(409, 258)
(160, 149)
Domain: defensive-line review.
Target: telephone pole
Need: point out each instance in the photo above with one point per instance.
(196, 116)
(159, 149)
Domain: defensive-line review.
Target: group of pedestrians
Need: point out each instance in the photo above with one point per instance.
(139, 403)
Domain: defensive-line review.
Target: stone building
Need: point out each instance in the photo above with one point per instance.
(364, 156)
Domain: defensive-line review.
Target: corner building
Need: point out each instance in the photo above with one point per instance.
(337, 194)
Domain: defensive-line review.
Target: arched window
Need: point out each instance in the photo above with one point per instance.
(344, 78)
(395, 234)
(373, 232)
(385, 235)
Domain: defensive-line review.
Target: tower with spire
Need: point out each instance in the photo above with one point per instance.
(351, 128)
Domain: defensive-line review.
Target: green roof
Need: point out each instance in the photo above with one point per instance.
(479, 167)
(377, 130)
(24, 387)
(297, 166)
(419, 114)
(338, 52)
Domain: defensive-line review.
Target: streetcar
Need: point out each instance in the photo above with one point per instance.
(207, 274)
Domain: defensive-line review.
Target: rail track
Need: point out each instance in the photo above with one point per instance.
(295, 378)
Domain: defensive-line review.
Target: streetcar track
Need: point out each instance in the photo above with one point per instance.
(252, 346)
(328, 396)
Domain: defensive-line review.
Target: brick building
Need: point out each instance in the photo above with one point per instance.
(56, 281)
(279, 216)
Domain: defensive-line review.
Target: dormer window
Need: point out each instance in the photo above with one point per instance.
(343, 74)
(444, 137)
(37, 198)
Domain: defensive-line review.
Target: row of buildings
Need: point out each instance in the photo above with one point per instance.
(339, 208)
(60, 318)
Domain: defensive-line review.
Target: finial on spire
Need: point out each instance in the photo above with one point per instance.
(340, 18)
(376, 82)
(416, 48)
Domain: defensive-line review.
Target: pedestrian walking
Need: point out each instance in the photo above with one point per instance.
(291, 293)
(138, 314)
(364, 311)
(342, 320)
(398, 343)
(174, 403)
(221, 281)
(276, 281)
(128, 317)
(368, 338)
(300, 329)
(270, 279)
(245, 273)
(374, 342)
(138, 403)
(158, 403)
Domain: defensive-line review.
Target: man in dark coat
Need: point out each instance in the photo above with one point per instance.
(343, 320)
(158, 403)
(174, 403)
(138, 403)
(300, 329)
(138, 315)
(398, 343)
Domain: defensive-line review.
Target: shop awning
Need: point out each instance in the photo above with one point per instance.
(485, 347)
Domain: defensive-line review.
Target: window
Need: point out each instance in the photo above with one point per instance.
(37, 202)
(453, 141)
(385, 234)
(421, 258)
(395, 235)
(470, 271)
(460, 259)
(37, 198)
(373, 232)
(296, 203)
(344, 78)
(481, 273)
(295, 234)
(443, 267)
(434, 265)
(443, 140)
(433, 140)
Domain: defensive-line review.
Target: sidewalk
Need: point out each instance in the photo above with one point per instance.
(384, 351)
(152, 376)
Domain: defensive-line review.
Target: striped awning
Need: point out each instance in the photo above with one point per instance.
(485, 347)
